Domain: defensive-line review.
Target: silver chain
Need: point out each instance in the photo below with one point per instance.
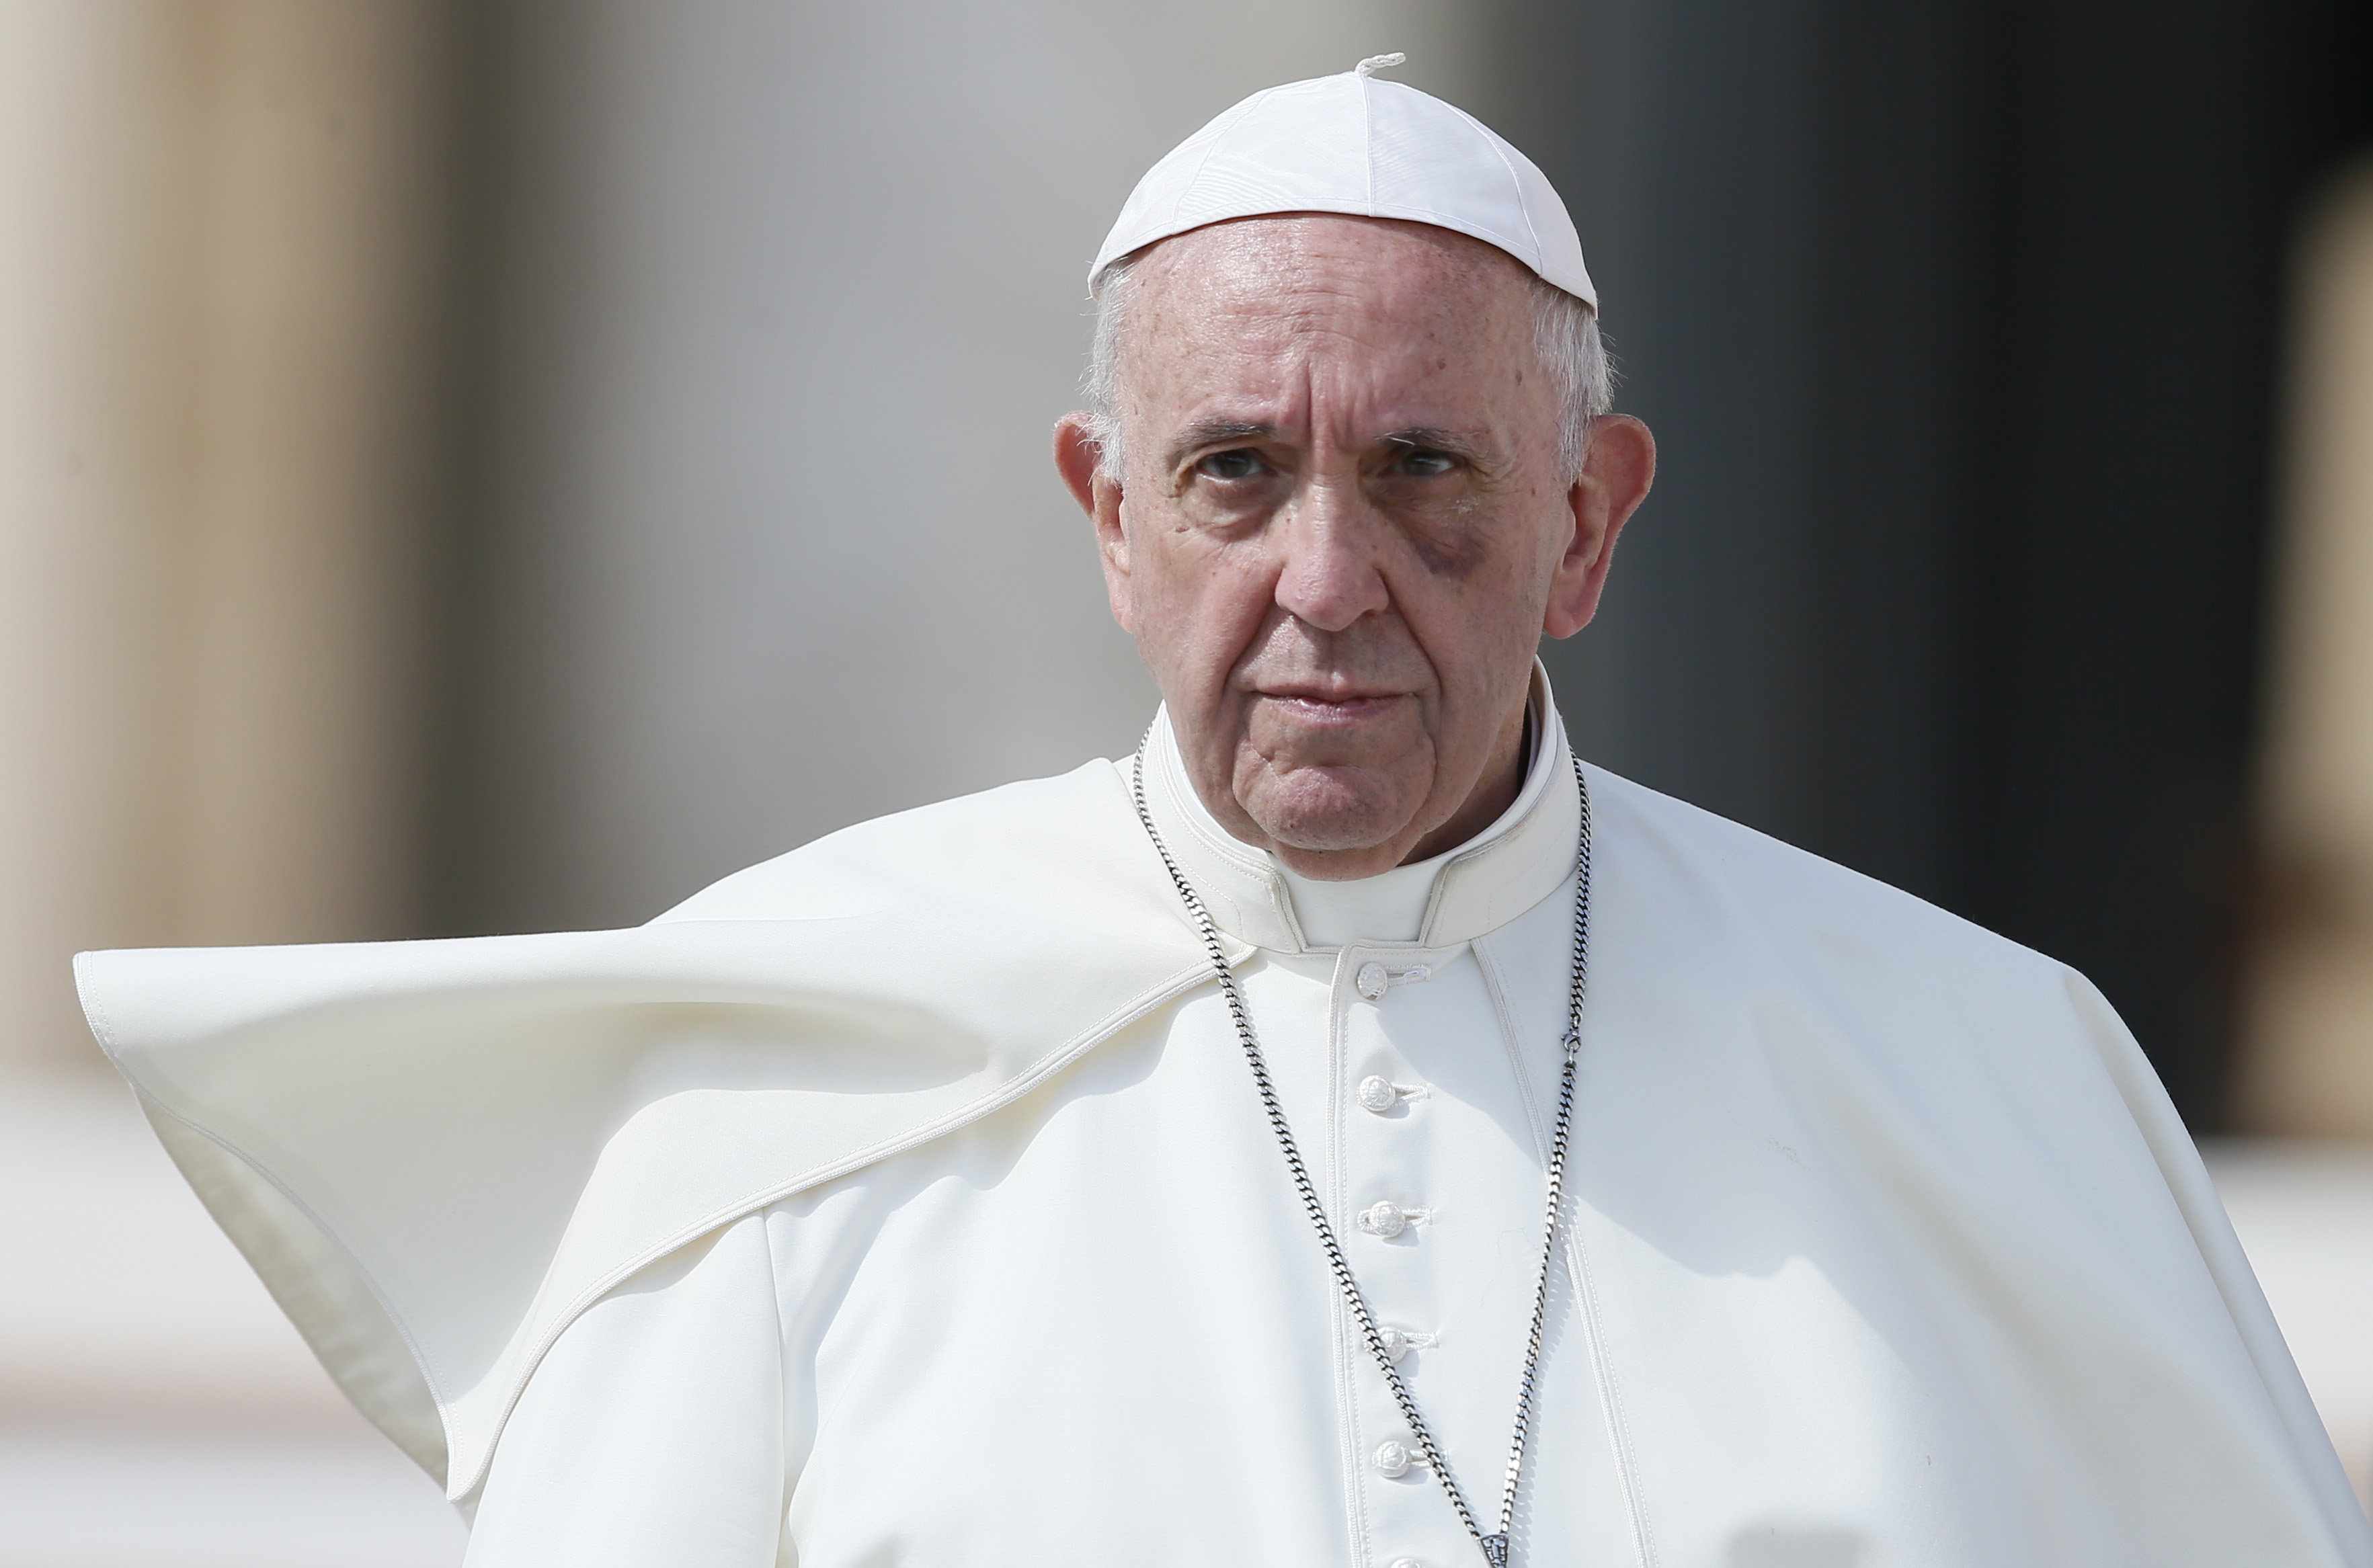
(1495, 1546)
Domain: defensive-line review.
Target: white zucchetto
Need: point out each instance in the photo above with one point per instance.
(1352, 144)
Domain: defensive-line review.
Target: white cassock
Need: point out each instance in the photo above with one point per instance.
(907, 1199)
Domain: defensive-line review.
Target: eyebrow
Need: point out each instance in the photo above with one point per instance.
(1210, 432)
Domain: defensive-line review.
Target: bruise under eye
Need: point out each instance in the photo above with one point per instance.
(1239, 463)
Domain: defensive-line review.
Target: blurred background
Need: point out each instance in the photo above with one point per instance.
(496, 466)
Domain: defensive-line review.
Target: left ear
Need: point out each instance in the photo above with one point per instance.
(1616, 474)
(1078, 459)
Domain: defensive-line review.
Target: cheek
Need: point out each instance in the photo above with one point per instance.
(1482, 555)
(1197, 607)
(1481, 612)
(1448, 544)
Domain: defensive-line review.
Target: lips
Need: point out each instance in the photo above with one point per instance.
(1311, 708)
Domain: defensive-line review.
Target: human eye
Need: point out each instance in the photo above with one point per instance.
(1421, 463)
(1239, 463)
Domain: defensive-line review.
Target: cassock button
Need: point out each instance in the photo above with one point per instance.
(1386, 1220)
(1372, 980)
(1407, 1562)
(1378, 1094)
(1397, 1343)
(1393, 1461)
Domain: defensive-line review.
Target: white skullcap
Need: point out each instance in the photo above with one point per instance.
(1352, 144)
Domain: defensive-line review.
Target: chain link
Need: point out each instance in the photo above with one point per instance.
(1495, 1546)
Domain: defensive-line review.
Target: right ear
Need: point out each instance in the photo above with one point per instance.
(1078, 458)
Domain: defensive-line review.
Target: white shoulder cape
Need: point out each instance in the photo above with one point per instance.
(438, 1153)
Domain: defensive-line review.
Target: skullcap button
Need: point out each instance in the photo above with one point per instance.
(1386, 1220)
(1378, 1094)
(1370, 980)
(1393, 1461)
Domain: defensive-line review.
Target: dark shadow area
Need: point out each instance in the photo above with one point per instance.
(1959, 324)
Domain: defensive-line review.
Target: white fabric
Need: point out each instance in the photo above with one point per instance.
(657, 1421)
(1884, 1247)
(438, 1153)
(1359, 145)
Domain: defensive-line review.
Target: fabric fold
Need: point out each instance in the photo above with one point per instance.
(438, 1153)
(1818, 1119)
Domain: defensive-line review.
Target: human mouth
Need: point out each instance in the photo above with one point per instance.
(1312, 708)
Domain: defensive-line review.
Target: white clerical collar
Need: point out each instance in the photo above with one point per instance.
(1452, 897)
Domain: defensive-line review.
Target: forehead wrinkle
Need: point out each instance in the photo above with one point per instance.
(1340, 351)
(1327, 316)
(1303, 267)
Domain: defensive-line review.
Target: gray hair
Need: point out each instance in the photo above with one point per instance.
(1565, 331)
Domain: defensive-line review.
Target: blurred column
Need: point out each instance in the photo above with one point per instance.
(98, 103)
(218, 316)
(2308, 1062)
(316, 507)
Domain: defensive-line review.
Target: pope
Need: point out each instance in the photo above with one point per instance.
(1350, 1130)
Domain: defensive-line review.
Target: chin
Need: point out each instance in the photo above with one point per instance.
(1325, 815)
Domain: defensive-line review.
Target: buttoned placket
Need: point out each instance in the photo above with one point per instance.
(1378, 1154)
(1419, 1125)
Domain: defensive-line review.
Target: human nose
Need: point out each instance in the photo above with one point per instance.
(1330, 577)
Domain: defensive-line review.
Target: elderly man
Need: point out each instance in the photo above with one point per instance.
(1347, 1131)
